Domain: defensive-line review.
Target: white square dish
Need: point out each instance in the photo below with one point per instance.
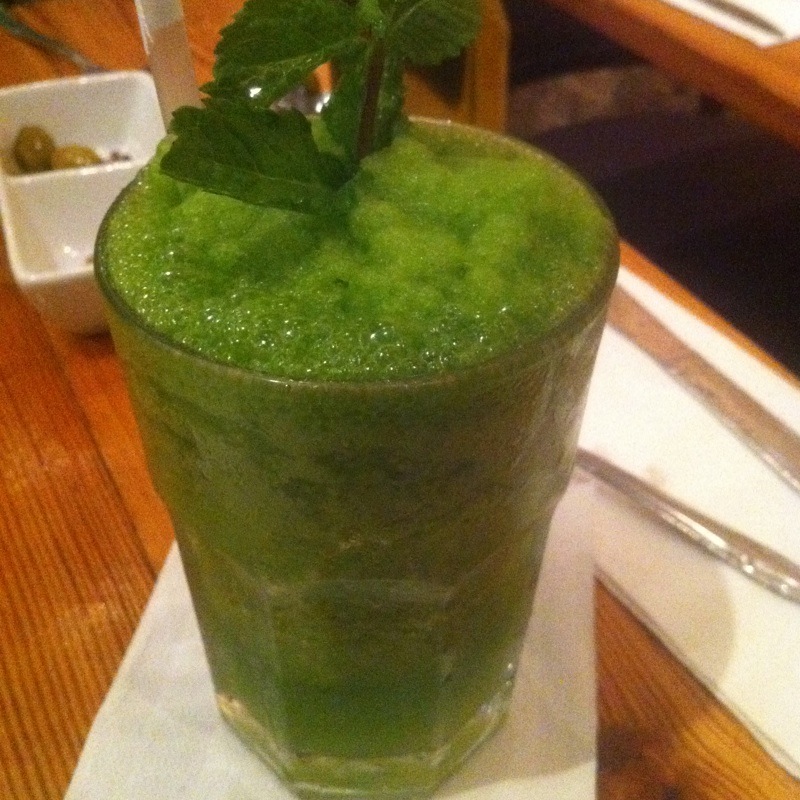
(50, 219)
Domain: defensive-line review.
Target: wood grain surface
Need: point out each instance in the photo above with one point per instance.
(763, 84)
(83, 535)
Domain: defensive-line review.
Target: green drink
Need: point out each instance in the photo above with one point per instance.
(361, 428)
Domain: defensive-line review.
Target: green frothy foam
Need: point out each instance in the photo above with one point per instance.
(452, 253)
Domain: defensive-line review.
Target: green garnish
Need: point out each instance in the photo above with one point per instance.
(237, 145)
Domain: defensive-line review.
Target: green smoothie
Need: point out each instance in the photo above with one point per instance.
(361, 424)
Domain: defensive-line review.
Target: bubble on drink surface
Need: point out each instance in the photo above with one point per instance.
(445, 260)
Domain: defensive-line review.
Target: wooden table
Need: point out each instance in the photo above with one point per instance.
(763, 84)
(83, 535)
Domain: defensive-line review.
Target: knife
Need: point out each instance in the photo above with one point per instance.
(758, 562)
(746, 15)
(24, 32)
(774, 443)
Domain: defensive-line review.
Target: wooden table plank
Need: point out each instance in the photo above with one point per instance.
(82, 533)
(663, 735)
(73, 576)
(93, 370)
(763, 84)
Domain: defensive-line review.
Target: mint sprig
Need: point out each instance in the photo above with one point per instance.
(237, 145)
(273, 45)
(253, 154)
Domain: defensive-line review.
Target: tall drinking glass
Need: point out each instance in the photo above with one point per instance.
(362, 556)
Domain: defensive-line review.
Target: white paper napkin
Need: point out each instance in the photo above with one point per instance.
(784, 15)
(158, 735)
(740, 640)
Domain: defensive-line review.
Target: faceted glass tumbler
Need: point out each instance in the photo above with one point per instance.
(362, 557)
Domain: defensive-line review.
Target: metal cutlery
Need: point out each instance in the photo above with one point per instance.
(22, 31)
(777, 445)
(746, 15)
(762, 564)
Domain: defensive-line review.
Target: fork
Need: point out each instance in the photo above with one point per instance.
(22, 31)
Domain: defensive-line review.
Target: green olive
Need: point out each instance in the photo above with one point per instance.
(33, 148)
(73, 155)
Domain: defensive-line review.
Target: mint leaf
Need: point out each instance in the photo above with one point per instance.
(368, 102)
(255, 155)
(273, 45)
(238, 146)
(429, 31)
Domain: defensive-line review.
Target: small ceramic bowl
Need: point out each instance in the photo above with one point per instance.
(50, 219)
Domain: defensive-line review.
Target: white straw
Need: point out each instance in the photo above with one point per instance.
(167, 46)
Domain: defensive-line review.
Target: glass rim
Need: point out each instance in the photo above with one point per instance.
(543, 342)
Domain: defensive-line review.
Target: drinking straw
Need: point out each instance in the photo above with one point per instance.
(167, 46)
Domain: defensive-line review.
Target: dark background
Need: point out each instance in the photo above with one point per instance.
(710, 198)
